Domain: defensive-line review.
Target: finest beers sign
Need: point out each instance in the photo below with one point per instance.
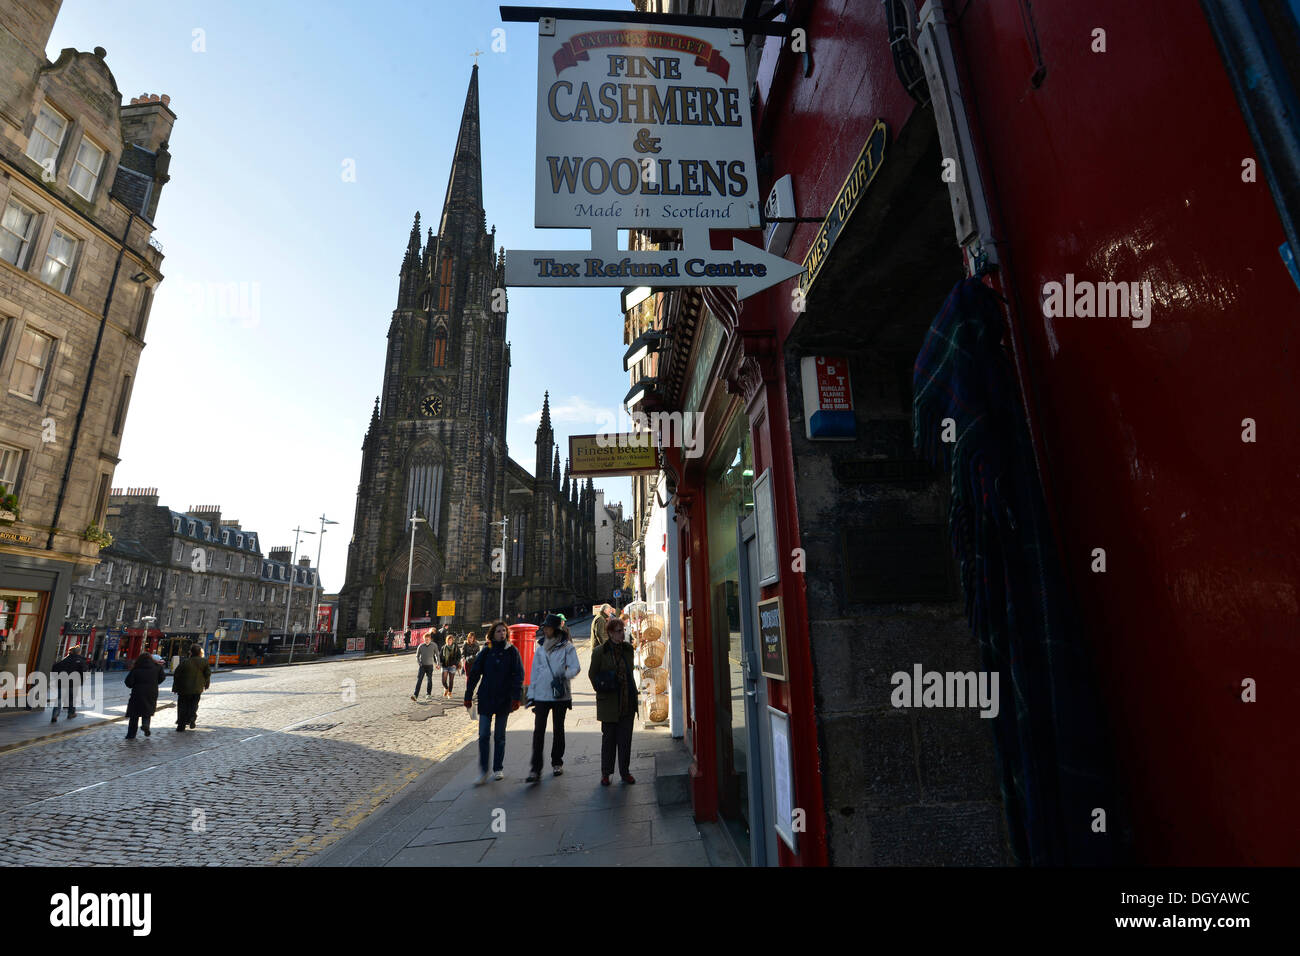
(641, 126)
(645, 126)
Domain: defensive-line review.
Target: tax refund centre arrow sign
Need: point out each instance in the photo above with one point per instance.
(644, 127)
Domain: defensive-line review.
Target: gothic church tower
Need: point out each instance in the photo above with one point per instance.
(436, 443)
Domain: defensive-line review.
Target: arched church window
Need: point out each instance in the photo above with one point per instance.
(424, 490)
(440, 348)
(444, 285)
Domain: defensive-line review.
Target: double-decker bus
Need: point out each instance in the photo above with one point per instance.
(238, 641)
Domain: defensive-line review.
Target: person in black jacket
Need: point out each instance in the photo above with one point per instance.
(143, 679)
(67, 676)
(501, 670)
(450, 663)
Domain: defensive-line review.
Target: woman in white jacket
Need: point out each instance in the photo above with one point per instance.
(555, 664)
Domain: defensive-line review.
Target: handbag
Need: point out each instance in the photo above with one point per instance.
(559, 684)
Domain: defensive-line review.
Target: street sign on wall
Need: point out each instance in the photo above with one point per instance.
(446, 609)
(645, 127)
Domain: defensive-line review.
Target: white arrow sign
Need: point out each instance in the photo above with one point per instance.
(746, 267)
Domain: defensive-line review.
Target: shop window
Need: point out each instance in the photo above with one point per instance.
(21, 611)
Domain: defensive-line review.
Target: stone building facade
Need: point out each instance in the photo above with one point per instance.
(80, 179)
(187, 570)
(436, 445)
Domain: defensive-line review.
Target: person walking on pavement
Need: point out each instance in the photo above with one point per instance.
(67, 675)
(450, 663)
(193, 676)
(598, 624)
(469, 652)
(611, 678)
(555, 663)
(143, 679)
(501, 670)
(425, 656)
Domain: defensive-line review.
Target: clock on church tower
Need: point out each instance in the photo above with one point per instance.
(431, 405)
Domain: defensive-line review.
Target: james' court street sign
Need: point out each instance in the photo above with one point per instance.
(644, 126)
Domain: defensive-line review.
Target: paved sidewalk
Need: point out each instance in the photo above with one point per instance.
(448, 820)
(20, 727)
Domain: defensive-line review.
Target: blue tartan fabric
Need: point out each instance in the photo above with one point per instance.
(1051, 738)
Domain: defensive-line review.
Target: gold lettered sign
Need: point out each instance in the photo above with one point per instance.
(850, 194)
(446, 609)
(627, 453)
(15, 537)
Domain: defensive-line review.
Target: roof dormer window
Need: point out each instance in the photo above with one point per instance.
(86, 168)
(47, 137)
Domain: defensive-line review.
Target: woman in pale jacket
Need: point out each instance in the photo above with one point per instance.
(555, 663)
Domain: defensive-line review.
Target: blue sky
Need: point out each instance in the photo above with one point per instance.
(262, 411)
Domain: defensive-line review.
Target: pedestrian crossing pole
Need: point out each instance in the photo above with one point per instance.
(410, 563)
(297, 533)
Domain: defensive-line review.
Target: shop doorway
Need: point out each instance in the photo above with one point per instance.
(729, 496)
(762, 842)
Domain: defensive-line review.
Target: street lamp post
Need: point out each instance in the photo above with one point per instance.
(147, 621)
(297, 532)
(320, 542)
(410, 563)
(501, 606)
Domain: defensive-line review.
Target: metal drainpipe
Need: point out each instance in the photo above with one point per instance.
(90, 378)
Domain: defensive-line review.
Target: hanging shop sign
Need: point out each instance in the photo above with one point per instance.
(846, 201)
(630, 453)
(827, 398)
(645, 127)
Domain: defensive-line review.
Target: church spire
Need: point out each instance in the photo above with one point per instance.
(544, 439)
(464, 201)
(410, 272)
(555, 466)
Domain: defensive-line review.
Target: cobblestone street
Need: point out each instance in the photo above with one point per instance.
(285, 762)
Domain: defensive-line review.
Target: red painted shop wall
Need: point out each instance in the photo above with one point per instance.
(1127, 166)
(816, 126)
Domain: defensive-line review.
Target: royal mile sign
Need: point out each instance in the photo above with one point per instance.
(644, 127)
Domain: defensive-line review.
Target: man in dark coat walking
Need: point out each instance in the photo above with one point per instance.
(193, 676)
(143, 679)
(68, 675)
(501, 670)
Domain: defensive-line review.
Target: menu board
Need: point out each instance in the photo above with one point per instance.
(771, 639)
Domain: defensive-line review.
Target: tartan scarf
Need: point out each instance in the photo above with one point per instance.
(1053, 764)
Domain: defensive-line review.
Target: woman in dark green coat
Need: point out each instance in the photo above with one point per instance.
(610, 671)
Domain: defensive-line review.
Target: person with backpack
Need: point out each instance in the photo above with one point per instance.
(555, 663)
(500, 669)
(425, 656)
(143, 679)
(450, 663)
(611, 677)
(67, 675)
(193, 676)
